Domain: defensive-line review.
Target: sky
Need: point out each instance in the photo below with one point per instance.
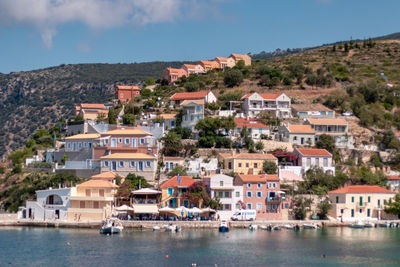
(42, 33)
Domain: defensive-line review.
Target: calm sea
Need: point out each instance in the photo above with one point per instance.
(81, 247)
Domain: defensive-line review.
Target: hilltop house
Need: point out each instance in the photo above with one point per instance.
(317, 111)
(237, 57)
(124, 163)
(225, 62)
(245, 163)
(300, 135)
(91, 111)
(255, 128)
(209, 65)
(169, 120)
(359, 202)
(207, 96)
(172, 75)
(262, 192)
(125, 93)
(394, 183)
(337, 128)
(277, 104)
(193, 112)
(193, 69)
(81, 141)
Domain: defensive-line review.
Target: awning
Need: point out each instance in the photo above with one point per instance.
(145, 208)
(146, 191)
(123, 208)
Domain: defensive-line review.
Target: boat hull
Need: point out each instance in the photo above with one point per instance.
(223, 229)
(110, 230)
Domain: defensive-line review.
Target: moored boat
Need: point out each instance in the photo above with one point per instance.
(369, 225)
(276, 228)
(156, 228)
(384, 224)
(223, 226)
(358, 225)
(289, 226)
(310, 226)
(111, 226)
(253, 227)
(171, 228)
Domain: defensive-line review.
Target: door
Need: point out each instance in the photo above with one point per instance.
(140, 165)
(57, 214)
(113, 142)
(95, 204)
(114, 165)
(134, 142)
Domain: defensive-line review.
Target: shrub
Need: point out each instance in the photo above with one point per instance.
(233, 77)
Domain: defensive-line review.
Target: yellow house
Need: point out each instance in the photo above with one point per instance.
(91, 201)
(246, 163)
(359, 202)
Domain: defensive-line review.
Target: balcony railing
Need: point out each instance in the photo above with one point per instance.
(273, 199)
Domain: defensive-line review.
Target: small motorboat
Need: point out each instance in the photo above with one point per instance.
(171, 228)
(263, 227)
(384, 224)
(156, 228)
(111, 226)
(276, 228)
(289, 227)
(359, 225)
(310, 226)
(253, 227)
(369, 225)
(223, 226)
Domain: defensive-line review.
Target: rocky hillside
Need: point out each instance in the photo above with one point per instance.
(36, 99)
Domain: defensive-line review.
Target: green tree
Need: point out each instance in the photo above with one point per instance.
(112, 116)
(327, 142)
(269, 167)
(393, 207)
(129, 119)
(323, 208)
(233, 77)
(172, 144)
(301, 207)
(240, 64)
(177, 170)
(150, 81)
(64, 159)
(389, 141)
(259, 146)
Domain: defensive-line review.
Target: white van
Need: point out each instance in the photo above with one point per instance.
(244, 215)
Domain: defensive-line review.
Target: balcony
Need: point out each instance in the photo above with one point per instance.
(273, 199)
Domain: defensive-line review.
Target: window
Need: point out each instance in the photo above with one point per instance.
(337, 199)
(258, 206)
(82, 204)
(325, 162)
(302, 140)
(119, 140)
(239, 165)
(105, 163)
(142, 141)
(352, 212)
(379, 203)
(88, 192)
(275, 185)
(295, 138)
(268, 206)
(80, 145)
(191, 117)
(220, 194)
(127, 141)
(237, 194)
(360, 210)
(249, 194)
(256, 165)
(248, 185)
(121, 163)
(101, 192)
(341, 211)
(105, 141)
(247, 165)
(308, 162)
(230, 165)
(259, 185)
(249, 206)
(69, 145)
(198, 117)
(368, 212)
(221, 183)
(148, 164)
(258, 194)
(275, 207)
(317, 162)
(95, 204)
(352, 199)
(227, 194)
(237, 206)
(361, 201)
(134, 142)
(197, 108)
(369, 199)
(132, 164)
(186, 117)
(170, 191)
(226, 207)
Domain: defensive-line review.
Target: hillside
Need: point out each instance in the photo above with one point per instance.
(36, 99)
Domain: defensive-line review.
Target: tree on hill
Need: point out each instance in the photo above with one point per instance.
(327, 142)
(177, 170)
(172, 144)
(233, 77)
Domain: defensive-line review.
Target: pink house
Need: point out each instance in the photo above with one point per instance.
(172, 75)
(262, 193)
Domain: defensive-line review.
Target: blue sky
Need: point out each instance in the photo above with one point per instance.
(42, 33)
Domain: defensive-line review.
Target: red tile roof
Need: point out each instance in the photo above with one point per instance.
(189, 95)
(397, 134)
(249, 156)
(313, 152)
(361, 189)
(95, 106)
(295, 128)
(251, 123)
(393, 178)
(257, 178)
(128, 87)
(186, 181)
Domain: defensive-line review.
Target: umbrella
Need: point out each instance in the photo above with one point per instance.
(181, 209)
(195, 210)
(124, 208)
(166, 209)
(281, 192)
(207, 210)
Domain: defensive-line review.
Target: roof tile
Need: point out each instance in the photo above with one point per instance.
(361, 189)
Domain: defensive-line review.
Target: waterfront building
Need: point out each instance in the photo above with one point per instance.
(124, 163)
(262, 193)
(125, 93)
(92, 200)
(394, 183)
(359, 202)
(300, 135)
(173, 192)
(145, 202)
(230, 196)
(245, 163)
(279, 105)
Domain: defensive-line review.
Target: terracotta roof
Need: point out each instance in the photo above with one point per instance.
(260, 178)
(310, 107)
(393, 178)
(105, 175)
(126, 132)
(238, 55)
(361, 189)
(327, 121)
(251, 123)
(197, 101)
(297, 128)
(313, 152)
(189, 95)
(173, 158)
(82, 136)
(177, 71)
(265, 96)
(96, 106)
(248, 156)
(128, 156)
(173, 182)
(222, 59)
(128, 87)
(97, 183)
(167, 116)
(189, 66)
(397, 134)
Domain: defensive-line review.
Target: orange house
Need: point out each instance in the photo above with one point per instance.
(209, 65)
(125, 93)
(172, 74)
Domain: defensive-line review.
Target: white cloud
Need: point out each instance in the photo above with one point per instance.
(47, 15)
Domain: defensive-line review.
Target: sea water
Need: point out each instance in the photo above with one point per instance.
(24, 246)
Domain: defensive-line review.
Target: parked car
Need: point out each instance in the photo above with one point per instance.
(347, 113)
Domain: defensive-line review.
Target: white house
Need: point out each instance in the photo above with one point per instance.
(278, 104)
(230, 196)
(314, 157)
(206, 96)
(301, 135)
(50, 204)
(193, 112)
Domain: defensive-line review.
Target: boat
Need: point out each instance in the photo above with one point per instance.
(358, 225)
(111, 226)
(288, 227)
(223, 226)
(310, 226)
(264, 227)
(253, 227)
(171, 228)
(276, 228)
(369, 225)
(156, 228)
(384, 224)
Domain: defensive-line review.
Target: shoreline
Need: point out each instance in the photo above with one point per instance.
(182, 224)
